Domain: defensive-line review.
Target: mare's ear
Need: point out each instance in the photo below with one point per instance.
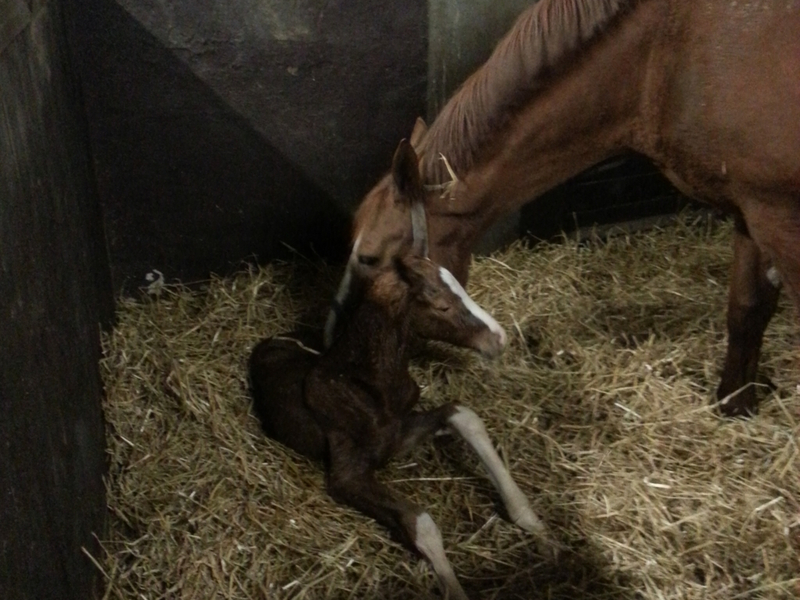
(405, 171)
(420, 129)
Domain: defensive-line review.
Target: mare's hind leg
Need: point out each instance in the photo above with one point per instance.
(351, 481)
(752, 300)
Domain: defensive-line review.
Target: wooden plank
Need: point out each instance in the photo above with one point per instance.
(14, 16)
(52, 443)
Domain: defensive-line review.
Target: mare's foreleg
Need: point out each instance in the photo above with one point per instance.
(352, 481)
(752, 300)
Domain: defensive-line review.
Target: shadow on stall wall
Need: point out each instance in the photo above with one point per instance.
(187, 185)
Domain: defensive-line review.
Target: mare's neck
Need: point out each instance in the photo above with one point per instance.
(587, 112)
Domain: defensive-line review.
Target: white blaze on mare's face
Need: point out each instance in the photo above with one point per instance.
(482, 315)
(355, 245)
(341, 295)
(344, 286)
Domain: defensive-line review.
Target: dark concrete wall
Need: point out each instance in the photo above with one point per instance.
(227, 130)
(222, 130)
(463, 34)
(54, 289)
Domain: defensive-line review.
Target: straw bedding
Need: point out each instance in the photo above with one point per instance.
(600, 406)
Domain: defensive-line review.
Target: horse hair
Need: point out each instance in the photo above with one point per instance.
(542, 38)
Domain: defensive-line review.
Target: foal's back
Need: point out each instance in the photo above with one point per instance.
(278, 369)
(357, 388)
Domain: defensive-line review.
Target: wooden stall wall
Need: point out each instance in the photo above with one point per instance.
(227, 130)
(54, 290)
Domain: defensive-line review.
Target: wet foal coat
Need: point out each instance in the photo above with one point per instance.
(709, 90)
(353, 405)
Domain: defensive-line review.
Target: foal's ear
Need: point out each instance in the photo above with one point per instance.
(407, 270)
(405, 171)
(420, 129)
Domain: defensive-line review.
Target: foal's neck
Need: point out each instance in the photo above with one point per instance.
(377, 334)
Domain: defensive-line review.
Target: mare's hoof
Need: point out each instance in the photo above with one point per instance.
(742, 403)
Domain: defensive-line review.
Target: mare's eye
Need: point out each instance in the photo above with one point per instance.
(367, 261)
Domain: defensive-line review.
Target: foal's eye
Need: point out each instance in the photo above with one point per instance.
(367, 261)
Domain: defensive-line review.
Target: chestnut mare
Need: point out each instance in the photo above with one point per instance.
(709, 90)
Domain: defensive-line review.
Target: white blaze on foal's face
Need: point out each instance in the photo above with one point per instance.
(442, 310)
(476, 310)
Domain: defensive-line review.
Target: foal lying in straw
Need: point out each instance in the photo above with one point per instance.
(353, 405)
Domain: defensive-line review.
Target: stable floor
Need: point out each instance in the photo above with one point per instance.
(600, 406)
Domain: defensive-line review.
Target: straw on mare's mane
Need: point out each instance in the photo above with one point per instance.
(543, 36)
(446, 187)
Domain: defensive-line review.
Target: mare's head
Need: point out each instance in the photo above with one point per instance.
(391, 240)
(382, 227)
(415, 287)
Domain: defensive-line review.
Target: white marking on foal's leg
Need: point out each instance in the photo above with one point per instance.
(472, 429)
(482, 315)
(429, 543)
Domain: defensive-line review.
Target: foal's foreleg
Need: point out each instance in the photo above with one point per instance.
(351, 481)
(752, 300)
(472, 429)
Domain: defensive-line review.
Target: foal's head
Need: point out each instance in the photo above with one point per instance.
(435, 303)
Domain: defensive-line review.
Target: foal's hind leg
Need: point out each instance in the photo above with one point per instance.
(351, 481)
(751, 303)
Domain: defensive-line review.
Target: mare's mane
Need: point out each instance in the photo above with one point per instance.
(544, 35)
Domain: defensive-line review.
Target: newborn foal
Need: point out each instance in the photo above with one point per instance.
(352, 406)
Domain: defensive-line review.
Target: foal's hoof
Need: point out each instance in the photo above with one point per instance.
(547, 546)
(550, 549)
